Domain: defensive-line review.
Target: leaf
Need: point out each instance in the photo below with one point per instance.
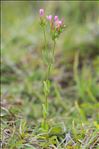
(56, 130)
(22, 127)
(4, 112)
(44, 111)
(46, 87)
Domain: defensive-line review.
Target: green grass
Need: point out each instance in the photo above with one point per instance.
(73, 102)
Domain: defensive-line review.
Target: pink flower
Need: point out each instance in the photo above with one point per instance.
(41, 12)
(60, 22)
(56, 18)
(49, 17)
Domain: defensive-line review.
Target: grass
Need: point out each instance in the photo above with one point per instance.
(73, 103)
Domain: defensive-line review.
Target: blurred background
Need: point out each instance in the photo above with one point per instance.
(22, 66)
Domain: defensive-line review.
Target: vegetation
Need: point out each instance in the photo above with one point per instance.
(71, 120)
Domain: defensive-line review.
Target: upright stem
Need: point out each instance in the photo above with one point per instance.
(45, 38)
(54, 49)
(45, 48)
(46, 85)
(45, 106)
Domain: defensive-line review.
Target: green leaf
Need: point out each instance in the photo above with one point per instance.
(46, 87)
(44, 111)
(56, 130)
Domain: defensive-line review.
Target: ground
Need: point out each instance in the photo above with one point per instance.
(73, 102)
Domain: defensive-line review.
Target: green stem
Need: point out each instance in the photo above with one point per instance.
(54, 49)
(45, 38)
(46, 95)
(50, 64)
(53, 52)
(45, 48)
(46, 102)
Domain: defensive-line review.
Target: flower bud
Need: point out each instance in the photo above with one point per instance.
(60, 23)
(56, 18)
(41, 12)
(49, 17)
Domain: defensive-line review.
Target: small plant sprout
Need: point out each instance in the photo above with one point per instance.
(56, 27)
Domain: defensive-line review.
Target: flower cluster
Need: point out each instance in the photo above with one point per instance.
(56, 26)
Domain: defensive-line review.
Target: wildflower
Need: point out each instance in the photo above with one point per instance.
(56, 18)
(60, 23)
(56, 26)
(41, 12)
(49, 17)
